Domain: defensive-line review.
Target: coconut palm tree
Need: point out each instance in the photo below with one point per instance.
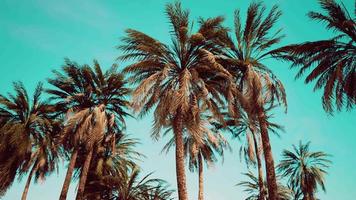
(330, 62)
(251, 186)
(178, 80)
(94, 104)
(243, 59)
(213, 145)
(305, 170)
(26, 132)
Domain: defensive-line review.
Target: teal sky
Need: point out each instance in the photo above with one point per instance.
(35, 36)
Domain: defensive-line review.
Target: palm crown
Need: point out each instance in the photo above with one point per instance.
(26, 135)
(306, 170)
(84, 94)
(130, 186)
(111, 163)
(251, 186)
(243, 58)
(331, 62)
(176, 77)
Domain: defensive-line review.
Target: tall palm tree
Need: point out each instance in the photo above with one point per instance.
(251, 186)
(213, 145)
(331, 62)
(243, 59)
(305, 170)
(252, 150)
(177, 80)
(26, 134)
(94, 104)
(247, 131)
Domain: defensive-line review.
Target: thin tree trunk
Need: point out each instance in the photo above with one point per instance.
(180, 170)
(269, 162)
(201, 178)
(28, 182)
(84, 176)
(259, 166)
(69, 174)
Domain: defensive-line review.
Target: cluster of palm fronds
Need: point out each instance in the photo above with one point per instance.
(332, 60)
(304, 171)
(208, 80)
(83, 120)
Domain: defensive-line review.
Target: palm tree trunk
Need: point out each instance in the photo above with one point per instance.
(84, 175)
(180, 171)
(69, 174)
(259, 166)
(269, 162)
(28, 182)
(201, 178)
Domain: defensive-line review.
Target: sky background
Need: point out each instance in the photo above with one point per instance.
(35, 37)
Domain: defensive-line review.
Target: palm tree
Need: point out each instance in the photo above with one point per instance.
(110, 161)
(44, 159)
(252, 188)
(252, 150)
(130, 186)
(161, 191)
(331, 61)
(305, 170)
(27, 132)
(94, 104)
(255, 80)
(197, 152)
(247, 131)
(177, 80)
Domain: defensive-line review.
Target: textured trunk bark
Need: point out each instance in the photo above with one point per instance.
(84, 176)
(201, 178)
(269, 162)
(261, 186)
(28, 182)
(180, 170)
(69, 174)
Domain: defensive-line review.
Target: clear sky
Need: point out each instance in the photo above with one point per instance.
(35, 36)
